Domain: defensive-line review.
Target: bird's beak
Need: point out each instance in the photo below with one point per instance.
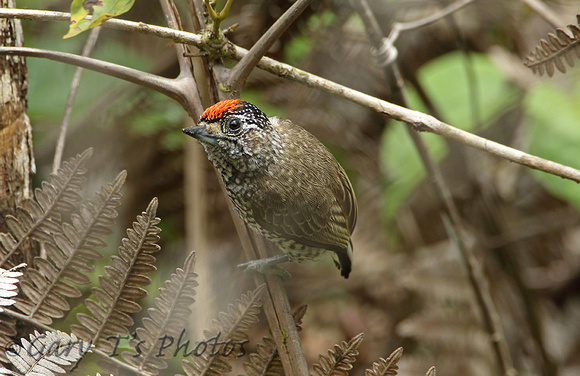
(201, 133)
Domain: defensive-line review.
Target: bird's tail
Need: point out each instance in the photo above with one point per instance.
(343, 260)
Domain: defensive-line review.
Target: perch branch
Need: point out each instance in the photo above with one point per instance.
(276, 305)
(242, 70)
(185, 77)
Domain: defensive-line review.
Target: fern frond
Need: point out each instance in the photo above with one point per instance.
(168, 318)
(298, 315)
(39, 220)
(45, 353)
(7, 332)
(340, 360)
(115, 301)
(560, 48)
(265, 361)
(387, 366)
(8, 281)
(6, 371)
(232, 327)
(431, 371)
(72, 249)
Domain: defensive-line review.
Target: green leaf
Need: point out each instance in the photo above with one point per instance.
(456, 84)
(447, 81)
(402, 166)
(555, 135)
(86, 14)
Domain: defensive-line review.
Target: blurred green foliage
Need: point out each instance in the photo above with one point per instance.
(457, 83)
(160, 115)
(301, 44)
(554, 114)
(451, 87)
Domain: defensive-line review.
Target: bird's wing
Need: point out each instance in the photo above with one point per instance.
(313, 216)
(347, 201)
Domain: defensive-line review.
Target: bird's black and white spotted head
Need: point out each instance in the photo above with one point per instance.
(235, 132)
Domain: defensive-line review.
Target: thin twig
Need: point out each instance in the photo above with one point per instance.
(454, 227)
(218, 17)
(418, 120)
(545, 12)
(72, 94)
(173, 88)
(242, 70)
(483, 296)
(404, 26)
(185, 77)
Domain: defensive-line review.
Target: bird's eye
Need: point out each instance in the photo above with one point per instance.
(234, 125)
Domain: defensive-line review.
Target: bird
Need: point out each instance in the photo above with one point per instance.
(283, 181)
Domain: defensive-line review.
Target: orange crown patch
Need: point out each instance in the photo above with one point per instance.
(217, 110)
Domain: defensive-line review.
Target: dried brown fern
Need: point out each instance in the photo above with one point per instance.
(389, 366)
(8, 281)
(560, 48)
(447, 323)
(231, 327)
(39, 220)
(7, 331)
(46, 353)
(340, 360)
(266, 360)
(69, 253)
(170, 315)
(114, 302)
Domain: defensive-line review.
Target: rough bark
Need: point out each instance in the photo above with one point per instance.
(16, 157)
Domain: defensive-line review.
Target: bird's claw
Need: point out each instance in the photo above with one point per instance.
(265, 267)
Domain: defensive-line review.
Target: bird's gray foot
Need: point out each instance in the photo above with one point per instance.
(267, 266)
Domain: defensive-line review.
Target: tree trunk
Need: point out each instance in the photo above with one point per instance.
(16, 157)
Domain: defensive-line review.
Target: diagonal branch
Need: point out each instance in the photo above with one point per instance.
(170, 87)
(545, 12)
(415, 119)
(242, 70)
(185, 77)
(478, 281)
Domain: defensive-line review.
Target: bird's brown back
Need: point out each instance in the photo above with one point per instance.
(305, 196)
